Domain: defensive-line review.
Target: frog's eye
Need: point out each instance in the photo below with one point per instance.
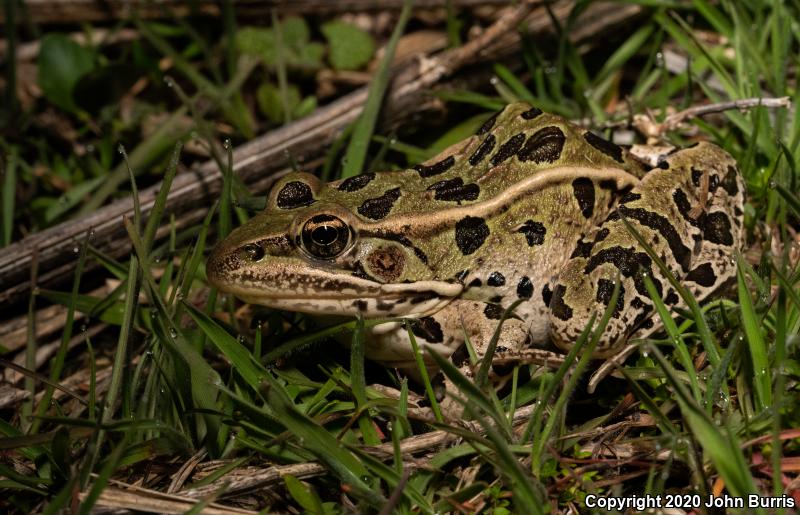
(325, 236)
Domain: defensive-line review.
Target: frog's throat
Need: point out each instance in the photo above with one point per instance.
(378, 300)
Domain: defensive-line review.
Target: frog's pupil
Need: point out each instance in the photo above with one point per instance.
(324, 235)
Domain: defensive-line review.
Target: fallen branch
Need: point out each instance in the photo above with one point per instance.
(71, 11)
(254, 479)
(307, 138)
(646, 124)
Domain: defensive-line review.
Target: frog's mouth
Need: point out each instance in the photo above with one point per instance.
(324, 292)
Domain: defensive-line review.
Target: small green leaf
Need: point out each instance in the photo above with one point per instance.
(62, 63)
(350, 47)
(295, 31)
(298, 51)
(269, 101)
(303, 494)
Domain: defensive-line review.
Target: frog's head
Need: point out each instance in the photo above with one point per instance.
(309, 251)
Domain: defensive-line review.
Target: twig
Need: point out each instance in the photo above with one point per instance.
(68, 11)
(646, 124)
(397, 494)
(409, 446)
(256, 160)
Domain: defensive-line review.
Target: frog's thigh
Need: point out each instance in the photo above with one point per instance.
(696, 249)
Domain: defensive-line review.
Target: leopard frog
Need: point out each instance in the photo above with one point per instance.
(529, 208)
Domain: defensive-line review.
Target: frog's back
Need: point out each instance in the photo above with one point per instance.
(515, 144)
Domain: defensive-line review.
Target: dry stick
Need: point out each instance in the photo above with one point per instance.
(262, 156)
(68, 11)
(423, 443)
(126, 496)
(647, 126)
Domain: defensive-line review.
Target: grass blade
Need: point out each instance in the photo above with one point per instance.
(356, 153)
(756, 344)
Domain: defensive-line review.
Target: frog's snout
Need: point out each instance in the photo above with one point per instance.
(222, 263)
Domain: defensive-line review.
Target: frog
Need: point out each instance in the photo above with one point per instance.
(530, 212)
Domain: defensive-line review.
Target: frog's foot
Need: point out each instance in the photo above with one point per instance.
(696, 250)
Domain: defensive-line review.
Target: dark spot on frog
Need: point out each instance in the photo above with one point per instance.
(628, 262)
(385, 306)
(428, 329)
(379, 207)
(534, 232)
(531, 113)
(703, 275)
(713, 182)
(558, 307)
(671, 298)
(294, 194)
(387, 263)
(696, 174)
(496, 279)
(647, 324)
(454, 190)
(663, 163)
(475, 283)
(729, 183)
(717, 228)
(460, 276)
(684, 207)
(604, 146)
(486, 146)
(436, 168)
(582, 249)
(583, 189)
(460, 356)
(422, 297)
(360, 304)
(487, 125)
(662, 225)
(608, 184)
(605, 290)
(525, 288)
(502, 369)
(629, 197)
(508, 149)
(601, 235)
(544, 146)
(471, 232)
(496, 299)
(356, 183)
(547, 295)
(493, 311)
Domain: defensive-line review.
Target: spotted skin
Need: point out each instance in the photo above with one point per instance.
(530, 208)
(697, 251)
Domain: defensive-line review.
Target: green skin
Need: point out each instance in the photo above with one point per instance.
(529, 208)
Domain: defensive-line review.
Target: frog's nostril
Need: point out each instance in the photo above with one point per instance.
(252, 252)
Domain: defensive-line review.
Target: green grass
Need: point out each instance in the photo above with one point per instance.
(187, 371)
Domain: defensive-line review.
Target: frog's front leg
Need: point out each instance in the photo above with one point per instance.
(446, 332)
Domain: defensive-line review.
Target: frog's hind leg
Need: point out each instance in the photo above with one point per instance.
(688, 210)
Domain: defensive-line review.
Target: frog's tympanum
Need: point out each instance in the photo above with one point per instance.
(529, 208)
